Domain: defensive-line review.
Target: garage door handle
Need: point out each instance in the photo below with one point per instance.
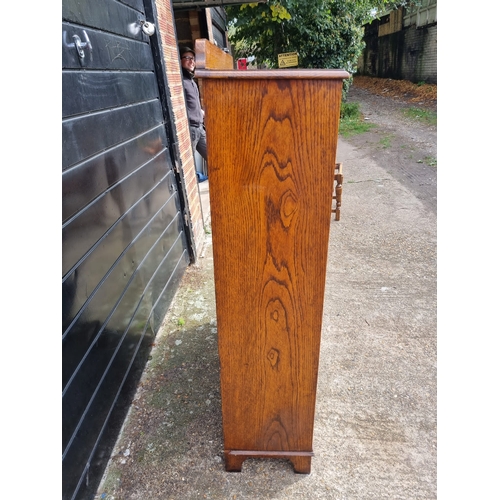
(79, 45)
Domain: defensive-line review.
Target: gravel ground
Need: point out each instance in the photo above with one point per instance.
(406, 148)
(375, 426)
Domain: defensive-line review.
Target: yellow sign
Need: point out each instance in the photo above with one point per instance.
(288, 59)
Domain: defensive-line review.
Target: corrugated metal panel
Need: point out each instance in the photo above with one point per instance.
(123, 238)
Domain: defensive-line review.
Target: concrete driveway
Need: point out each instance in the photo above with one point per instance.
(375, 427)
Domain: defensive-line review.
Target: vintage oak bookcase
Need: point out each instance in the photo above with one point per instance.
(272, 140)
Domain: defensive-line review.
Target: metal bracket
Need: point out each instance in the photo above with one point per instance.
(79, 45)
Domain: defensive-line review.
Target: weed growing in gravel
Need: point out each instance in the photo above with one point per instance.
(351, 120)
(385, 142)
(424, 115)
(431, 161)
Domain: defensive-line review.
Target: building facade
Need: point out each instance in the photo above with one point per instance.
(402, 45)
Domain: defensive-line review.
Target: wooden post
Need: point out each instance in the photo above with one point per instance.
(337, 190)
(272, 139)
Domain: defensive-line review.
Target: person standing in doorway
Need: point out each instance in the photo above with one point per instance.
(193, 105)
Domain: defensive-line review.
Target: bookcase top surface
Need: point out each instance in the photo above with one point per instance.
(265, 74)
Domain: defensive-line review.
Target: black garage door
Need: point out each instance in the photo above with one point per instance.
(124, 239)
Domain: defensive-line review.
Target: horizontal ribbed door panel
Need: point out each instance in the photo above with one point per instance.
(124, 246)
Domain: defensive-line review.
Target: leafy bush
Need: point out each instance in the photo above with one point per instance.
(351, 120)
(324, 33)
(349, 110)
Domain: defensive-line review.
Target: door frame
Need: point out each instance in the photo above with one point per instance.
(171, 130)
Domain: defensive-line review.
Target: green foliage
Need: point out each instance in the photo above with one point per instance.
(385, 141)
(431, 161)
(350, 111)
(423, 115)
(325, 33)
(351, 121)
(348, 128)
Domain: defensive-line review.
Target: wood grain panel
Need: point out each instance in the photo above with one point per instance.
(209, 56)
(271, 166)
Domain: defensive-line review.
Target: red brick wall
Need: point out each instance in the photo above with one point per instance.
(194, 21)
(181, 126)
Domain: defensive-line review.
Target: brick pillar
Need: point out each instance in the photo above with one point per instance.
(166, 27)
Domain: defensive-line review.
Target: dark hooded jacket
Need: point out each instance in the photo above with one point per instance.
(192, 94)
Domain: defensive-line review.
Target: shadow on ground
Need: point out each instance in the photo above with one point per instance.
(171, 445)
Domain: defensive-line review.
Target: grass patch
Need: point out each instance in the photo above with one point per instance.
(385, 142)
(431, 161)
(351, 120)
(423, 115)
